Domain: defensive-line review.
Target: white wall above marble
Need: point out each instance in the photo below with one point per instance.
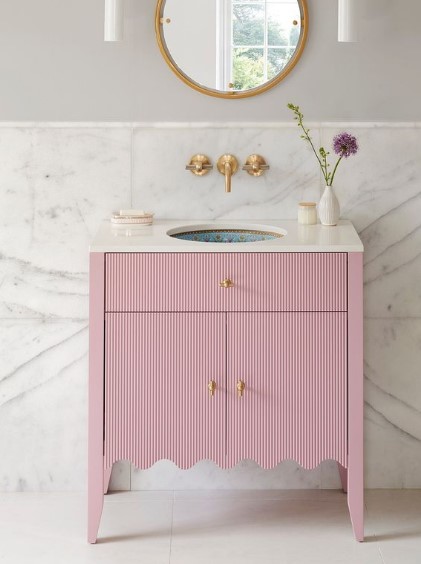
(58, 181)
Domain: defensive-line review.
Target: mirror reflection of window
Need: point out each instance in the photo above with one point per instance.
(255, 41)
(231, 48)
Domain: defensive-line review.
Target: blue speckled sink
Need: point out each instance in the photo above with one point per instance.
(225, 234)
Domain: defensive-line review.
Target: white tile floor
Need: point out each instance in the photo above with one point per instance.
(247, 527)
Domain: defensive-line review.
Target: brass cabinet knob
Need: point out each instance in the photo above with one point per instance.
(212, 388)
(227, 283)
(241, 386)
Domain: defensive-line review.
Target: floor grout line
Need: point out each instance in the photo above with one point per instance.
(381, 555)
(206, 534)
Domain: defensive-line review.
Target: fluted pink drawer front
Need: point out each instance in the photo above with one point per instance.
(190, 282)
(294, 405)
(157, 403)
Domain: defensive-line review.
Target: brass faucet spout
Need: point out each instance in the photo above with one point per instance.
(228, 176)
(227, 165)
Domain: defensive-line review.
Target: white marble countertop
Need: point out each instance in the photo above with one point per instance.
(298, 238)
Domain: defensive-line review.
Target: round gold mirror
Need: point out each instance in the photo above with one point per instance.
(231, 48)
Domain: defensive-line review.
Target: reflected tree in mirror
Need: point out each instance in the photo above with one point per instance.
(257, 24)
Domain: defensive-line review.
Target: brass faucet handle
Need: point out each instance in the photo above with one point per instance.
(199, 165)
(212, 388)
(241, 386)
(227, 283)
(255, 165)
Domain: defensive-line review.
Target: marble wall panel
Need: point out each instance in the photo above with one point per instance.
(162, 184)
(380, 191)
(43, 405)
(56, 185)
(58, 182)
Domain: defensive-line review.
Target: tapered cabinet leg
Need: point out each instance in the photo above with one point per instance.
(95, 505)
(355, 394)
(356, 504)
(107, 477)
(96, 395)
(343, 475)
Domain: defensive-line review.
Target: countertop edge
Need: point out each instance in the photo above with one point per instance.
(342, 238)
(296, 249)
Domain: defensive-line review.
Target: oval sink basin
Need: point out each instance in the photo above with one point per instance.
(221, 233)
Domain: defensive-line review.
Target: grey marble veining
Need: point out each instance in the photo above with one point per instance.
(43, 405)
(172, 192)
(58, 182)
(380, 191)
(56, 185)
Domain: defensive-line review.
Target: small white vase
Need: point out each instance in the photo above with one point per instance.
(329, 210)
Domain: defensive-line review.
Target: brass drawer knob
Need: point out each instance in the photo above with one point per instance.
(227, 283)
(241, 386)
(212, 388)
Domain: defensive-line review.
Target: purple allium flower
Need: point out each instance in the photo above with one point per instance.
(345, 145)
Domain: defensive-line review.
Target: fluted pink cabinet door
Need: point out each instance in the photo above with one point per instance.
(295, 399)
(157, 403)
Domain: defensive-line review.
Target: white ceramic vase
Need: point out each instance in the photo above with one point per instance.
(329, 210)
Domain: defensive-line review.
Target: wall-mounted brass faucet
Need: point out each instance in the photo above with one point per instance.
(227, 165)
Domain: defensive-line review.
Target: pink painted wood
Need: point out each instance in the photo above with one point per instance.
(158, 365)
(295, 401)
(96, 394)
(343, 475)
(356, 394)
(107, 478)
(190, 282)
(157, 402)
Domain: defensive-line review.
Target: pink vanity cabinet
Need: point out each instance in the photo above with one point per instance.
(226, 356)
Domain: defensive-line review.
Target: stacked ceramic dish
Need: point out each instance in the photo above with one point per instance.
(132, 218)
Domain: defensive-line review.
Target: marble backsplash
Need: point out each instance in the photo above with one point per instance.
(58, 181)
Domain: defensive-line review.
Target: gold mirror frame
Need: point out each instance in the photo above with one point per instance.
(234, 95)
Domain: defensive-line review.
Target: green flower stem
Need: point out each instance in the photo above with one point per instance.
(307, 136)
(325, 173)
(347, 146)
(334, 170)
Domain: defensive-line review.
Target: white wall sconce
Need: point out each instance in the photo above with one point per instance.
(114, 20)
(347, 21)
